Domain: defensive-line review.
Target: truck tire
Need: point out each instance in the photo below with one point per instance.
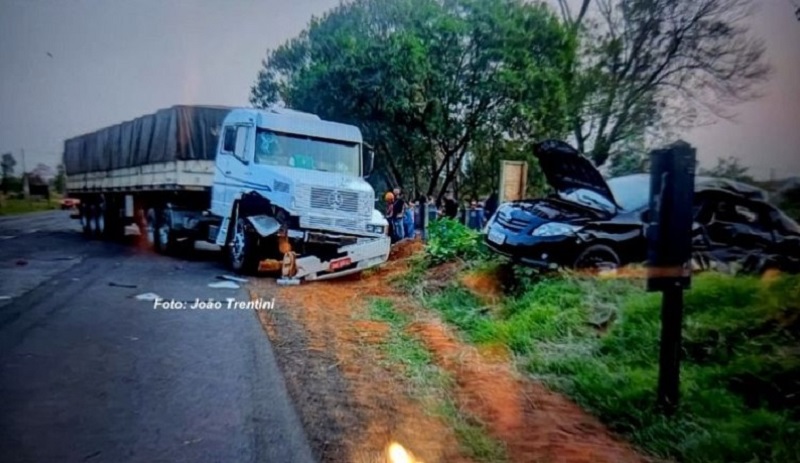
(243, 248)
(597, 257)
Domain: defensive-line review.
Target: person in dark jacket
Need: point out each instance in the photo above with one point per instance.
(398, 213)
(475, 216)
(450, 206)
(491, 205)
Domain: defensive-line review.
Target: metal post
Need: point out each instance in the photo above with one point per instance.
(670, 355)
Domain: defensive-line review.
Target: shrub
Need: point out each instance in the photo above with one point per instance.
(449, 239)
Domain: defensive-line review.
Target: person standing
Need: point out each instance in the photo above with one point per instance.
(398, 212)
(389, 212)
(475, 217)
(450, 206)
(408, 220)
(491, 204)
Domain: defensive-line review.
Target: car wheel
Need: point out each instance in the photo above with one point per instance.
(597, 257)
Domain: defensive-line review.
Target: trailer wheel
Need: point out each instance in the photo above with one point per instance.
(164, 236)
(243, 248)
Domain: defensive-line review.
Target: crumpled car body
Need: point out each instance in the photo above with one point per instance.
(589, 222)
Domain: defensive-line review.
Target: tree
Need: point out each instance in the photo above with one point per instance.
(60, 180)
(729, 167)
(8, 162)
(428, 81)
(645, 63)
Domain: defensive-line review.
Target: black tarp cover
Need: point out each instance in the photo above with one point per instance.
(176, 133)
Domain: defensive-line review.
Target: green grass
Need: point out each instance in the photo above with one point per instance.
(597, 341)
(10, 206)
(429, 383)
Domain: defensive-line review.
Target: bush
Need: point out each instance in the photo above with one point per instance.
(449, 239)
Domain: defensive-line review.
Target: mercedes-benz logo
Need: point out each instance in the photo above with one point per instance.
(335, 199)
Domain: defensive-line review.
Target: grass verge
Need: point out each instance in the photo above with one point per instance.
(429, 383)
(597, 341)
(10, 206)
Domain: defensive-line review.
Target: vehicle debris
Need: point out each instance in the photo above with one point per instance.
(224, 285)
(148, 297)
(122, 285)
(21, 262)
(232, 278)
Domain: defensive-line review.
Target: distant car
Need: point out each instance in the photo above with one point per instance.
(69, 203)
(591, 223)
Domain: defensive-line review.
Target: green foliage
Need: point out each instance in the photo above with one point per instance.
(449, 239)
(739, 381)
(729, 167)
(428, 81)
(10, 206)
(741, 369)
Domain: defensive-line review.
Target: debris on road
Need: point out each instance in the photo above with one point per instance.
(21, 262)
(287, 281)
(232, 278)
(121, 285)
(224, 285)
(148, 297)
(4, 298)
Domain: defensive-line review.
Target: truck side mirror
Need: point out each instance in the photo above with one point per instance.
(367, 161)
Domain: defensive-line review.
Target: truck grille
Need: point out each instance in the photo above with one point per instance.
(325, 222)
(334, 200)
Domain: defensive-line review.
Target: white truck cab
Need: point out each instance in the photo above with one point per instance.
(283, 173)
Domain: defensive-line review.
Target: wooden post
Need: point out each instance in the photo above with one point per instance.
(670, 355)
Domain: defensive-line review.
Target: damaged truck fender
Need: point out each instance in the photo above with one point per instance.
(264, 225)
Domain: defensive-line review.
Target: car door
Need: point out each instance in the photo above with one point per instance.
(735, 223)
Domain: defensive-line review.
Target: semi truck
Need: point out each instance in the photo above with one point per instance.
(277, 190)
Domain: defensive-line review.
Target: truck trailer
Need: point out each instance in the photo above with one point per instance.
(276, 189)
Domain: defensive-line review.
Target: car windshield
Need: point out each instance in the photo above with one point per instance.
(631, 192)
(280, 149)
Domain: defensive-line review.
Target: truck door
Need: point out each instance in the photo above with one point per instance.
(239, 174)
(220, 202)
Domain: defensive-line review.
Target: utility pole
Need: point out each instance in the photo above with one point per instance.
(26, 190)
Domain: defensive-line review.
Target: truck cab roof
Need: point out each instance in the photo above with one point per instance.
(296, 122)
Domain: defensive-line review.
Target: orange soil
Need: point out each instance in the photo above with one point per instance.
(326, 311)
(535, 424)
(484, 285)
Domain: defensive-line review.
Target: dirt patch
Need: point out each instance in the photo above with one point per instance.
(405, 248)
(352, 407)
(484, 285)
(535, 423)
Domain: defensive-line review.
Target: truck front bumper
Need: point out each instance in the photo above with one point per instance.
(357, 257)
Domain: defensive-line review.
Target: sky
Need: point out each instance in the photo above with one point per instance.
(68, 67)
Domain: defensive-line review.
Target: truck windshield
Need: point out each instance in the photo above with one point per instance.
(280, 149)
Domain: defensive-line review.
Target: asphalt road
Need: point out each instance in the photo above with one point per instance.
(90, 373)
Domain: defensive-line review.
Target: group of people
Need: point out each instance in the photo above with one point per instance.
(406, 216)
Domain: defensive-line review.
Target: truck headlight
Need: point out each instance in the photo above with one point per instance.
(555, 229)
(375, 229)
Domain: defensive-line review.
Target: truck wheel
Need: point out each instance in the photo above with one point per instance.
(243, 247)
(597, 257)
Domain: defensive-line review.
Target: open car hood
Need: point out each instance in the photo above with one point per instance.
(566, 169)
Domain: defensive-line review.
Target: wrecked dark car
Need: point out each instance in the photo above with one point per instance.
(591, 223)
